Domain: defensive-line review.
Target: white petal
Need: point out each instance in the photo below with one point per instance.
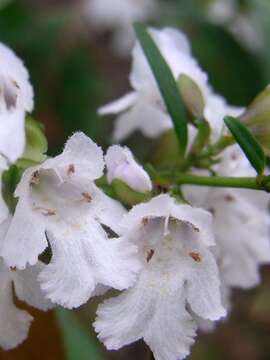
(13, 69)
(122, 165)
(12, 134)
(119, 105)
(242, 234)
(166, 206)
(83, 257)
(143, 116)
(107, 211)
(80, 153)
(25, 238)
(153, 310)
(203, 288)
(215, 110)
(175, 49)
(14, 322)
(27, 287)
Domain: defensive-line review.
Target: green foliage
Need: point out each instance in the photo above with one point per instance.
(10, 180)
(77, 341)
(76, 93)
(166, 83)
(202, 137)
(36, 142)
(248, 144)
(233, 71)
(127, 195)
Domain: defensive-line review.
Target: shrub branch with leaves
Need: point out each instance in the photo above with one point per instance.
(174, 239)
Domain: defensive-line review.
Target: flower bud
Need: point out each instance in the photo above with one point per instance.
(257, 118)
(258, 112)
(191, 95)
(121, 165)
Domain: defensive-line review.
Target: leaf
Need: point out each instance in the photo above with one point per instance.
(248, 143)
(233, 71)
(78, 343)
(166, 83)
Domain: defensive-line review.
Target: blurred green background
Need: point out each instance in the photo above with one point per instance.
(73, 71)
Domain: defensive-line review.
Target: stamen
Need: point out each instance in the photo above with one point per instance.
(45, 212)
(87, 197)
(145, 221)
(195, 228)
(150, 254)
(35, 179)
(229, 198)
(195, 256)
(71, 169)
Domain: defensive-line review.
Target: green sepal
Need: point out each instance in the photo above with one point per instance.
(191, 95)
(36, 142)
(127, 195)
(250, 146)
(10, 180)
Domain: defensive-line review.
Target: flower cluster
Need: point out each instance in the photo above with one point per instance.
(174, 255)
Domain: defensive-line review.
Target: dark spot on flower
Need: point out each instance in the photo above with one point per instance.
(35, 179)
(145, 221)
(195, 228)
(229, 198)
(195, 256)
(87, 197)
(45, 212)
(71, 169)
(150, 254)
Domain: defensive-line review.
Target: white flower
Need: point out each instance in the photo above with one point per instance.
(59, 202)
(15, 323)
(179, 273)
(143, 109)
(121, 165)
(16, 98)
(241, 222)
(216, 109)
(119, 16)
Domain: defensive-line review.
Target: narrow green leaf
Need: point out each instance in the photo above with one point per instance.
(248, 143)
(166, 83)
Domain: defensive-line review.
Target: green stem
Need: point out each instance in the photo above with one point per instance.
(220, 181)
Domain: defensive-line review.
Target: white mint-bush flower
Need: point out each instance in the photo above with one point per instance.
(59, 201)
(121, 165)
(119, 16)
(241, 222)
(143, 109)
(15, 322)
(179, 278)
(16, 98)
